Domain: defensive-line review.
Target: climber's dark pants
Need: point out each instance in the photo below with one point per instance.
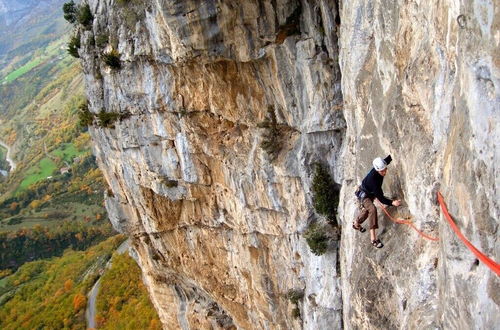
(368, 210)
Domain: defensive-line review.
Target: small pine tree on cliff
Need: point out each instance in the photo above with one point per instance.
(325, 193)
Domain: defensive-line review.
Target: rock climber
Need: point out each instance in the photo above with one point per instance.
(371, 188)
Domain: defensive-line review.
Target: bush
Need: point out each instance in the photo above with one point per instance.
(102, 40)
(271, 143)
(169, 183)
(112, 59)
(325, 194)
(295, 295)
(14, 221)
(107, 119)
(80, 14)
(70, 10)
(296, 313)
(84, 16)
(317, 239)
(85, 117)
(74, 45)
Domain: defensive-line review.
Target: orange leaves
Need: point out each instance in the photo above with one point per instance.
(79, 237)
(35, 204)
(100, 320)
(68, 285)
(13, 206)
(79, 301)
(154, 325)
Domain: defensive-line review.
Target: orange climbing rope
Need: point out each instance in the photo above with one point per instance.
(409, 223)
(487, 261)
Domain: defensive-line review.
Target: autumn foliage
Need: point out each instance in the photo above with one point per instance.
(50, 294)
(123, 301)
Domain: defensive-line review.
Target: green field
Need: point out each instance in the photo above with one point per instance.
(45, 168)
(66, 152)
(51, 51)
(22, 70)
(73, 211)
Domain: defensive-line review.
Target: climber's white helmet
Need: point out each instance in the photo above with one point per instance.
(379, 164)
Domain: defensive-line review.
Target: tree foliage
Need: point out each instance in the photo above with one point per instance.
(50, 294)
(271, 138)
(78, 13)
(70, 10)
(112, 59)
(85, 117)
(85, 16)
(108, 119)
(317, 238)
(123, 301)
(41, 242)
(74, 45)
(325, 193)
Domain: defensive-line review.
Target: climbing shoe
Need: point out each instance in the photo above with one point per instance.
(358, 227)
(377, 243)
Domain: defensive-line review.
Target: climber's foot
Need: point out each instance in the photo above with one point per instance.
(358, 227)
(377, 243)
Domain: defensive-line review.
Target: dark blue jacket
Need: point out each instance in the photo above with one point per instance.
(372, 184)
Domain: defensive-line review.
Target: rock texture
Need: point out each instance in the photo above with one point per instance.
(216, 221)
(420, 81)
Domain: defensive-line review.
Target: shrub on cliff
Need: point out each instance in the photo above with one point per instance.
(74, 45)
(316, 238)
(70, 11)
(112, 59)
(80, 14)
(102, 40)
(271, 142)
(295, 296)
(84, 16)
(325, 193)
(85, 117)
(107, 119)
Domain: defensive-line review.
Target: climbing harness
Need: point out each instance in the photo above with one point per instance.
(409, 223)
(487, 261)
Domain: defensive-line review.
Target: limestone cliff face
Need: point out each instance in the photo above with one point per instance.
(216, 221)
(421, 81)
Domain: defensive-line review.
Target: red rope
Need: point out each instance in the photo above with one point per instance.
(487, 261)
(409, 223)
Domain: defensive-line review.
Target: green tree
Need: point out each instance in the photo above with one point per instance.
(325, 193)
(112, 59)
(70, 10)
(85, 16)
(74, 45)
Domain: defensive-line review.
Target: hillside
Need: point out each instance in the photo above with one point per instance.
(51, 293)
(51, 203)
(54, 198)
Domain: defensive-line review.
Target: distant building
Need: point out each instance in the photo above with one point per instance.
(65, 170)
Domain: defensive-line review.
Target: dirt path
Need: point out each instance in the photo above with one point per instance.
(9, 159)
(91, 312)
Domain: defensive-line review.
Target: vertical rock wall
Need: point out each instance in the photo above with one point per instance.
(420, 81)
(216, 221)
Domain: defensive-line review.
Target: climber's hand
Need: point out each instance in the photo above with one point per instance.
(397, 202)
